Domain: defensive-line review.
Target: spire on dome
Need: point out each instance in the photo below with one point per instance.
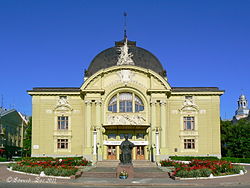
(125, 25)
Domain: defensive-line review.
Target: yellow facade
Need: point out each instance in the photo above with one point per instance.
(171, 120)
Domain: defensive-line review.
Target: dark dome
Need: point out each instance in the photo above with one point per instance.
(109, 58)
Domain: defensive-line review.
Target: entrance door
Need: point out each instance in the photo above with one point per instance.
(111, 152)
(140, 153)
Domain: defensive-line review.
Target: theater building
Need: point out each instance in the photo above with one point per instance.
(126, 91)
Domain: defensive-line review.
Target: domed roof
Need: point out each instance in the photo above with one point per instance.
(109, 58)
(242, 97)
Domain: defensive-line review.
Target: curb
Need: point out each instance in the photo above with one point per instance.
(214, 177)
(56, 177)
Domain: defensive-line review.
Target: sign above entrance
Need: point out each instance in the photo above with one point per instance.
(138, 143)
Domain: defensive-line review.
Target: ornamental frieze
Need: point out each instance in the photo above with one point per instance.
(126, 119)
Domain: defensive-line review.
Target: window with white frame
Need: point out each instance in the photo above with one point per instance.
(113, 104)
(189, 123)
(189, 143)
(62, 143)
(62, 122)
(138, 104)
(126, 101)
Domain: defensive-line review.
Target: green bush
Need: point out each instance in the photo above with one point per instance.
(48, 171)
(189, 158)
(27, 169)
(3, 159)
(194, 173)
(60, 171)
(236, 169)
(236, 160)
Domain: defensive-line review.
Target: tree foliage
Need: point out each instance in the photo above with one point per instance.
(27, 139)
(235, 138)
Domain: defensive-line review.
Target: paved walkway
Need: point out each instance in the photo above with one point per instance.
(6, 175)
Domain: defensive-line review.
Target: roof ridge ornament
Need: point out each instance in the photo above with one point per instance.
(125, 58)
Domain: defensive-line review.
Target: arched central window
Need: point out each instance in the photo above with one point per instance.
(125, 102)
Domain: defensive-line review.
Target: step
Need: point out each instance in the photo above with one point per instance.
(144, 163)
(107, 163)
(136, 163)
(99, 174)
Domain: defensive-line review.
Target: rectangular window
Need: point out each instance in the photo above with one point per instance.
(188, 123)
(62, 122)
(139, 135)
(189, 97)
(189, 143)
(62, 143)
(112, 135)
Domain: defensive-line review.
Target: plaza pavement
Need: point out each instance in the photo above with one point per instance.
(8, 176)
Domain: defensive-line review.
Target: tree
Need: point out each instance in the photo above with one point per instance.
(224, 136)
(235, 139)
(27, 139)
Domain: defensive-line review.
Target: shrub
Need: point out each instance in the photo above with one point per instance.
(236, 160)
(189, 158)
(205, 172)
(3, 159)
(236, 169)
(59, 171)
(27, 169)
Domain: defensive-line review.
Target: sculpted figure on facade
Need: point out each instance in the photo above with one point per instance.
(125, 58)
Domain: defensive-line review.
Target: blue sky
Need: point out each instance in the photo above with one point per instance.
(49, 43)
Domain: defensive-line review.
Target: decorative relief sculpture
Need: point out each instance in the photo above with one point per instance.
(62, 101)
(125, 58)
(63, 104)
(125, 119)
(125, 76)
(188, 102)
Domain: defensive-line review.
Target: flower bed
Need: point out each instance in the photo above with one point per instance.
(202, 168)
(51, 167)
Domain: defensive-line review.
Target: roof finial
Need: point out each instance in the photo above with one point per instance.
(125, 25)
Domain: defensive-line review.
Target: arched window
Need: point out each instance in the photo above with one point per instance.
(128, 102)
(138, 104)
(125, 102)
(113, 104)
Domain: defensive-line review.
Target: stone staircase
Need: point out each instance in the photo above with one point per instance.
(143, 164)
(142, 169)
(107, 163)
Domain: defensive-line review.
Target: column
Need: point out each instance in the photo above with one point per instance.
(98, 128)
(152, 129)
(157, 146)
(88, 125)
(94, 141)
(163, 124)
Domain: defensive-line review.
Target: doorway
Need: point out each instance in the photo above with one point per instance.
(111, 153)
(140, 153)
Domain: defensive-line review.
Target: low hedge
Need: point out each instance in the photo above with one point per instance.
(236, 160)
(194, 173)
(3, 159)
(27, 169)
(47, 171)
(189, 158)
(60, 171)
